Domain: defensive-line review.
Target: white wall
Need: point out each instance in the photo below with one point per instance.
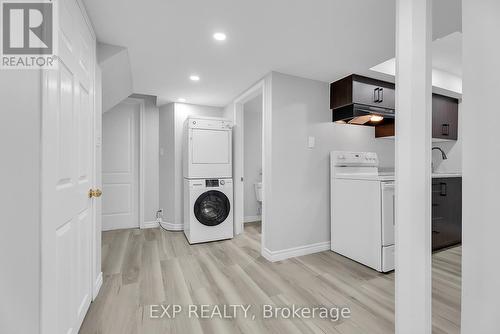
(481, 181)
(299, 210)
(252, 132)
(117, 81)
(20, 125)
(172, 117)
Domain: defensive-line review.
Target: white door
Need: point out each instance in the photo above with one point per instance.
(67, 176)
(120, 166)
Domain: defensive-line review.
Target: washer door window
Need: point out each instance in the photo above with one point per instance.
(212, 208)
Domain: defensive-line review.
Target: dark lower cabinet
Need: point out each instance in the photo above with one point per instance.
(446, 212)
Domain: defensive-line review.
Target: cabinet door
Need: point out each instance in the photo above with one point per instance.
(376, 94)
(446, 212)
(444, 117)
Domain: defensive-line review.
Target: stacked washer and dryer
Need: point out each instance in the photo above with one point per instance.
(208, 184)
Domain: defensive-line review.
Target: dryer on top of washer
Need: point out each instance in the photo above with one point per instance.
(207, 148)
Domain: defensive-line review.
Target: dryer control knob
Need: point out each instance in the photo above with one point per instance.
(222, 182)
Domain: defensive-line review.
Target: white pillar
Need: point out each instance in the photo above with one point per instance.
(413, 166)
(481, 163)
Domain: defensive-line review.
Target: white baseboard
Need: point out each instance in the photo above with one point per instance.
(152, 224)
(117, 226)
(250, 219)
(171, 226)
(97, 286)
(284, 254)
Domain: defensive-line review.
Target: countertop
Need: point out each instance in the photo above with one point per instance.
(388, 172)
(445, 175)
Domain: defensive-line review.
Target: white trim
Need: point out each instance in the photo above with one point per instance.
(142, 116)
(251, 219)
(97, 182)
(284, 254)
(171, 226)
(87, 20)
(262, 87)
(119, 226)
(267, 130)
(152, 224)
(97, 286)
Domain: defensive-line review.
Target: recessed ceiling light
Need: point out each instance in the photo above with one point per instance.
(194, 78)
(220, 36)
(181, 99)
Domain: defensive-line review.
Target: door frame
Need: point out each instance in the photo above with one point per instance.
(262, 87)
(140, 206)
(97, 276)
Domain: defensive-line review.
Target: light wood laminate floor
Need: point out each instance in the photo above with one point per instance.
(149, 267)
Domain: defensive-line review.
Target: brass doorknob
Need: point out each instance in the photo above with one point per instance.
(95, 193)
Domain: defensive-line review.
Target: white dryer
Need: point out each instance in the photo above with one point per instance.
(208, 214)
(207, 148)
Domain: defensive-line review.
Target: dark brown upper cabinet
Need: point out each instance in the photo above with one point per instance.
(355, 99)
(357, 89)
(444, 117)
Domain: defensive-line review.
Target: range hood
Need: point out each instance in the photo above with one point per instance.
(361, 114)
(360, 100)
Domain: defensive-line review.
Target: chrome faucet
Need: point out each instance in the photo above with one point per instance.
(443, 155)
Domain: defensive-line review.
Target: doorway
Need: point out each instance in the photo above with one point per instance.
(262, 89)
(252, 161)
(121, 165)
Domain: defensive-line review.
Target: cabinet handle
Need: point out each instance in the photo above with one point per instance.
(376, 95)
(381, 95)
(443, 189)
(445, 129)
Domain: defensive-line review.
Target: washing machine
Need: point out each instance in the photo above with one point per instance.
(208, 213)
(207, 148)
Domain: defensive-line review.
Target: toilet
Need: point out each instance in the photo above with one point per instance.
(258, 191)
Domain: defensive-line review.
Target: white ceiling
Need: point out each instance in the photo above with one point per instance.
(446, 64)
(168, 40)
(447, 54)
